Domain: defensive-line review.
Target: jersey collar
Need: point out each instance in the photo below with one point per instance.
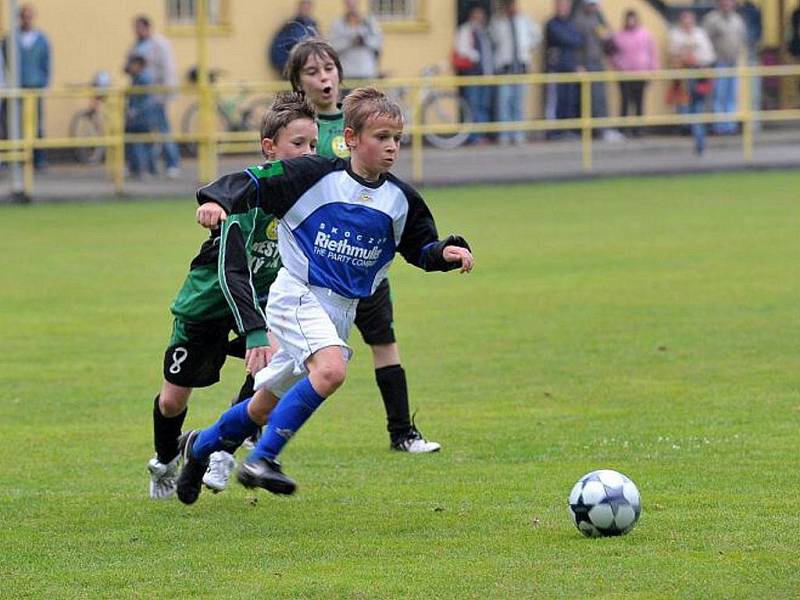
(370, 184)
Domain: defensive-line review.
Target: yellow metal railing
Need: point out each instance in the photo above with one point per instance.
(210, 141)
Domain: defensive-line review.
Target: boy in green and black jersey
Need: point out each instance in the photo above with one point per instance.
(224, 292)
(314, 69)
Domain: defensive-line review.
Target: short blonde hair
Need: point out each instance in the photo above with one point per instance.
(287, 107)
(363, 104)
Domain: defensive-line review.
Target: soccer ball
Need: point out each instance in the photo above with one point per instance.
(604, 503)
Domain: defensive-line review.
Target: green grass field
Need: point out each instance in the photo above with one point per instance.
(646, 325)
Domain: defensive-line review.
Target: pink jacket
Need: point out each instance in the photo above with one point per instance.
(636, 51)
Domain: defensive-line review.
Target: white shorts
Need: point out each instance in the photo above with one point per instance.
(304, 319)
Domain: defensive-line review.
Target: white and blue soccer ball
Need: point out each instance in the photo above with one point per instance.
(605, 503)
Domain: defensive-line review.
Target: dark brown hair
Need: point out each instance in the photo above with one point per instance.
(363, 104)
(287, 107)
(301, 53)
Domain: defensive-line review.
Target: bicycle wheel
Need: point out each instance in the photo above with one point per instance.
(87, 123)
(190, 124)
(446, 108)
(253, 113)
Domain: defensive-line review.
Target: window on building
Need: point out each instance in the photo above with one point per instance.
(394, 10)
(184, 12)
(399, 15)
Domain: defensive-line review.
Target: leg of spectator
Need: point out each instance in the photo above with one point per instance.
(755, 88)
(733, 96)
(624, 100)
(638, 102)
(698, 103)
(518, 111)
(470, 93)
(38, 155)
(134, 156)
(504, 93)
(169, 150)
(485, 108)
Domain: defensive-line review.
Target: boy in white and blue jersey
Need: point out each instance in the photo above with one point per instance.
(341, 223)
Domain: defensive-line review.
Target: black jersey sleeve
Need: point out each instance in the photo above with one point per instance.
(420, 244)
(236, 282)
(234, 192)
(282, 183)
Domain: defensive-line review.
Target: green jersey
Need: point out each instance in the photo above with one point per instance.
(232, 273)
(331, 136)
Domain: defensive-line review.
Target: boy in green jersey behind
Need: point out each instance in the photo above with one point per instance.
(314, 69)
(224, 292)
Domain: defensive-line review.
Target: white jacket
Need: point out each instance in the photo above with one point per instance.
(359, 61)
(529, 36)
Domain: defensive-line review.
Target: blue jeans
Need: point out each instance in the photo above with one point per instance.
(140, 156)
(724, 99)
(510, 102)
(479, 99)
(696, 106)
(599, 99)
(755, 86)
(172, 157)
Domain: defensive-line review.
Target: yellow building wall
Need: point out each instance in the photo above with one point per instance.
(90, 36)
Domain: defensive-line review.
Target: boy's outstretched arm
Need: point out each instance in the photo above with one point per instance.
(453, 252)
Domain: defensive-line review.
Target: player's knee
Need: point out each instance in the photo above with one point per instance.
(172, 406)
(261, 406)
(330, 374)
(173, 399)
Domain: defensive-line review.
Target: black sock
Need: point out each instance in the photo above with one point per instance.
(166, 431)
(392, 383)
(246, 391)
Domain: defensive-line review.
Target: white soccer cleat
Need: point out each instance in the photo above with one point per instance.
(163, 478)
(220, 467)
(414, 443)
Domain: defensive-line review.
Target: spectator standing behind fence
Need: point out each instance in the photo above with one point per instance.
(690, 48)
(597, 41)
(475, 47)
(562, 42)
(793, 44)
(160, 61)
(728, 35)
(514, 37)
(33, 56)
(751, 15)
(794, 34)
(634, 50)
(358, 41)
(303, 25)
(140, 117)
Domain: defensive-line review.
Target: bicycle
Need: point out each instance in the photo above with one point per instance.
(91, 122)
(239, 112)
(438, 107)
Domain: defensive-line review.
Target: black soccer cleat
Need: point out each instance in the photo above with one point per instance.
(267, 474)
(190, 480)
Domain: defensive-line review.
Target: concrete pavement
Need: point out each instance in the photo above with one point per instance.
(535, 161)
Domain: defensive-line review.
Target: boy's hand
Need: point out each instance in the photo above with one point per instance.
(457, 254)
(210, 215)
(257, 358)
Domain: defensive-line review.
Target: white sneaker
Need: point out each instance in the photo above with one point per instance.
(220, 467)
(163, 478)
(173, 173)
(414, 443)
(612, 135)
